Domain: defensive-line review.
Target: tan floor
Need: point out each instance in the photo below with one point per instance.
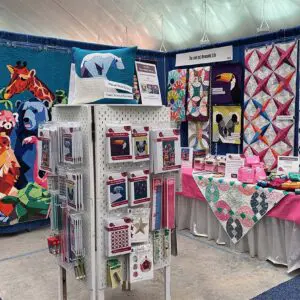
(202, 270)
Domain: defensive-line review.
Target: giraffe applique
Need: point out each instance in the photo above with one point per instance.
(23, 79)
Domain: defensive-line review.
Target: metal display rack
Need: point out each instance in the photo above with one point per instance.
(93, 119)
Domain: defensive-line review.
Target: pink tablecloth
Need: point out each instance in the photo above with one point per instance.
(287, 209)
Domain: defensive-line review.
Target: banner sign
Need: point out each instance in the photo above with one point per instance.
(204, 56)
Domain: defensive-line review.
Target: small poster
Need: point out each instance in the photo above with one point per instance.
(227, 124)
(233, 163)
(148, 83)
(287, 164)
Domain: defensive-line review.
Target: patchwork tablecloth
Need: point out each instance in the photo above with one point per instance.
(237, 206)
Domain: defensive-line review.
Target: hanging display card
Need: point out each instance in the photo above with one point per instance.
(148, 83)
(157, 194)
(140, 224)
(169, 203)
(186, 157)
(141, 263)
(119, 143)
(118, 236)
(117, 194)
(287, 164)
(166, 154)
(233, 163)
(140, 140)
(139, 187)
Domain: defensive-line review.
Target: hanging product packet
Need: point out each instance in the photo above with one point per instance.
(140, 143)
(117, 190)
(165, 150)
(118, 143)
(140, 224)
(139, 187)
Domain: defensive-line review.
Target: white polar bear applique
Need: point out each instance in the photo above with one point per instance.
(98, 64)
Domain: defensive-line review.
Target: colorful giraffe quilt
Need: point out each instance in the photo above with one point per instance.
(198, 92)
(237, 206)
(177, 94)
(31, 82)
(269, 101)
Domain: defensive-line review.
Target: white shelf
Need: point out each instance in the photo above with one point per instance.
(111, 105)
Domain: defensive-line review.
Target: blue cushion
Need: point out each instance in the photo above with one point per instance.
(115, 65)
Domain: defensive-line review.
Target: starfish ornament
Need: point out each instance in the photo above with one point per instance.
(282, 134)
(285, 56)
(262, 85)
(263, 59)
(284, 83)
(140, 226)
(282, 108)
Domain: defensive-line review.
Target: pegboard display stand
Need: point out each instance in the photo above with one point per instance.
(93, 119)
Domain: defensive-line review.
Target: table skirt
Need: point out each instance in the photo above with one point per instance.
(271, 239)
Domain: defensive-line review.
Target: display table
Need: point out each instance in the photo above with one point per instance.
(275, 237)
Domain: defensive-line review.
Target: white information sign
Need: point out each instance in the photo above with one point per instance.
(233, 163)
(204, 56)
(148, 83)
(287, 164)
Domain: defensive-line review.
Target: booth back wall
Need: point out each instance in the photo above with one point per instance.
(239, 47)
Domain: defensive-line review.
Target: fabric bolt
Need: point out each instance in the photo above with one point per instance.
(269, 101)
(198, 91)
(238, 212)
(199, 138)
(226, 82)
(176, 97)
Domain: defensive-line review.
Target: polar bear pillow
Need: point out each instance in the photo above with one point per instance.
(104, 76)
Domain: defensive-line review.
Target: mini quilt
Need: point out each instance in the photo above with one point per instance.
(198, 136)
(269, 101)
(226, 83)
(227, 124)
(198, 91)
(237, 206)
(177, 94)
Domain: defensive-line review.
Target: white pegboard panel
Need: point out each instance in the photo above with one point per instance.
(155, 117)
(83, 114)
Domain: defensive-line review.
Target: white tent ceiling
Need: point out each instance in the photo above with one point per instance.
(105, 21)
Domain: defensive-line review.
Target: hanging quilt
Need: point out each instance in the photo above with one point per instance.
(198, 136)
(269, 101)
(226, 82)
(31, 81)
(237, 206)
(227, 124)
(177, 94)
(198, 92)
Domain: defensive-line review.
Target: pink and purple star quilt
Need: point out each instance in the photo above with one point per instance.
(269, 101)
